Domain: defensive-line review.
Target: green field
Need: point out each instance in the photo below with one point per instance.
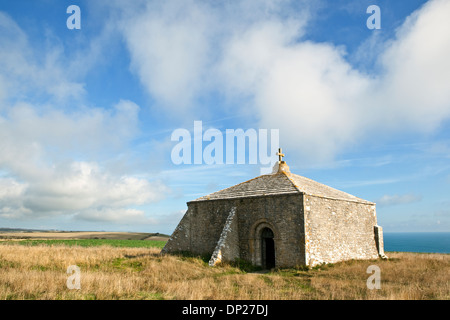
(93, 243)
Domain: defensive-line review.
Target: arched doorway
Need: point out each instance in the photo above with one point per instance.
(267, 249)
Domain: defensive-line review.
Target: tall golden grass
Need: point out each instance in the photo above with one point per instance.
(39, 272)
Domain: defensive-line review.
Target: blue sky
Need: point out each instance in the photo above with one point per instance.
(86, 116)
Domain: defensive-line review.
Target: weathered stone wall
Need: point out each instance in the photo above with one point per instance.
(283, 214)
(207, 222)
(338, 230)
(379, 241)
(180, 238)
(307, 229)
(200, 229)
(227, 248)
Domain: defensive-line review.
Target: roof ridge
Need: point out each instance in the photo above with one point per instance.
(277, 183)
(237, 184)
(353, 197)
(289, 178)
(235, 188)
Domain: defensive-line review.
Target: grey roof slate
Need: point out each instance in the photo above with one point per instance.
(277, 184)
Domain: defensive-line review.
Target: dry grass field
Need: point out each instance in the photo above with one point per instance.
(39, 272)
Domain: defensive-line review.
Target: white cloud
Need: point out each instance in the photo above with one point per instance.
(169, 49)
(9, 188)
(307, 91)
(110, 215)
(81, 188)
(11, 193)
(84, 185)
(28, 70)
(321, 103)
(28, 134)
(44, 145)
(176, 47)
(39, 147)
(415, 89)
(391, 200)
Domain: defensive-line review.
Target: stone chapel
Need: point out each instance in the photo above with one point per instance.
(279, 220)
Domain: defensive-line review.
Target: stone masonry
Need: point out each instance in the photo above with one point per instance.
(282, 216)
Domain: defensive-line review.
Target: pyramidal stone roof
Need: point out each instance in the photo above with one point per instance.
(280, 182)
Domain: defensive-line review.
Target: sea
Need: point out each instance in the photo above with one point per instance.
(431, 242)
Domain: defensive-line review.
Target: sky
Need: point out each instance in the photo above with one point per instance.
(92, 119)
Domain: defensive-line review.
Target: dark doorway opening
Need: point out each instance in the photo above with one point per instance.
(268, 249)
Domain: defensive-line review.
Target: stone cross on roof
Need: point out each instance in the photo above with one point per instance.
(280, 155)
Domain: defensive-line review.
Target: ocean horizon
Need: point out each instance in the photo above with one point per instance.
(428, 242)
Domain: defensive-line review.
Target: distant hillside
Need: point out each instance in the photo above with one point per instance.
(12, 233)
(23, 230)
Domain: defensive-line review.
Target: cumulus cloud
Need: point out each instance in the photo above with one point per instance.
(40, 184)
(81, 190)
(44, 144)
(38, 146)
(81, 123)
(37, 155)
(391, 200)
(314, 95)
(308, 90)
(169, 48)
(85, 185)
(28, 134)
(414, 88)
(176, 47)
(11, 193)
(115, 216)
(28, 70)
